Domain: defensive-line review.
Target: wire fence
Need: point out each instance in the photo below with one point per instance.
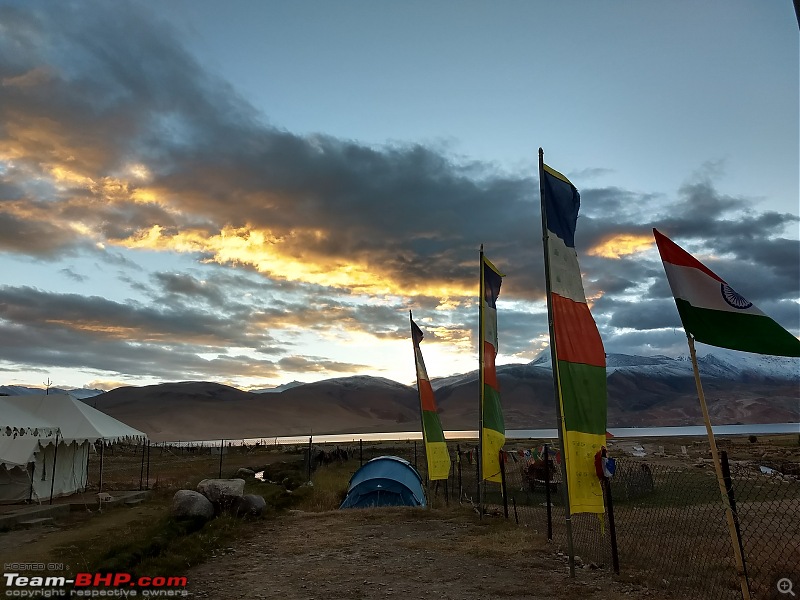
(670, 524)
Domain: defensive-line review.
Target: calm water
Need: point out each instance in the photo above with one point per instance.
(516, 434)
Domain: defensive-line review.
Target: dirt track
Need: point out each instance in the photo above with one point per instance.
(402, 553)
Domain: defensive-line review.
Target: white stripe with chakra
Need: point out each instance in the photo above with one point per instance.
(703, 291)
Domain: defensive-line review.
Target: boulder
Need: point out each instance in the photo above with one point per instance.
(217, 490)
(249, 505)
(223, 493)
(245, 472)
(188, 504)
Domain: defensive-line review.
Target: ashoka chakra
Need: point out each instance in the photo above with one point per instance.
(734, 299)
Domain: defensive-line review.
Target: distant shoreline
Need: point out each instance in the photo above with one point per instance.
(511, 434)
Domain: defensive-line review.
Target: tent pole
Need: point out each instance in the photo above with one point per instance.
(102, 452)
(32, 475)
(53, 478)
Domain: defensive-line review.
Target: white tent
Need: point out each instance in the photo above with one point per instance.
(59, 428)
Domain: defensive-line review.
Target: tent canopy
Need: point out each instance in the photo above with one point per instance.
(16, 421)
(385, 481)
(33, 467)
(76, 420)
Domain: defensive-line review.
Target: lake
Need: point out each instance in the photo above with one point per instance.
(516, 434)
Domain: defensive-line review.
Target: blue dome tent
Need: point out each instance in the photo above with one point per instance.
(385, 481)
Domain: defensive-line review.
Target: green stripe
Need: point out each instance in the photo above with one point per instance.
(492, 411)
(583, 394)
(745, 332)
(432, 426)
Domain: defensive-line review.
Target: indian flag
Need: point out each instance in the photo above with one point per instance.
(432, 435)
(714, 313)
(580, 365)
(493, 431)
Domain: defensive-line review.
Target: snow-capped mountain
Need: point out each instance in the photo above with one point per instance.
(22, 390)
(642, 391)
(719, 363)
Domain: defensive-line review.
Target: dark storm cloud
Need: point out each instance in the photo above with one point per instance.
(186, 285)
(116, 129)
(118, 88)
(311, 364)
(94, 317)
(51, 348)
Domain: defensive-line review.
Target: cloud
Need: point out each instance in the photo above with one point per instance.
(115, 143)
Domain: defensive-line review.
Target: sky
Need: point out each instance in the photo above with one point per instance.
(256, 192)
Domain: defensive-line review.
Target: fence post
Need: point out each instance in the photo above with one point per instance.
(547, 493)
(726, 476)
(309, 457)
(141, 471)
(147, 480)
(361, 452)
(221, 448)
(479, 457)
(458, 467)
(612, 529)
(502, 459)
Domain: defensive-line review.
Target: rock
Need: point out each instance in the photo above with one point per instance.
(249, 505)
(188, 504)
(222, 493)
(245, 472)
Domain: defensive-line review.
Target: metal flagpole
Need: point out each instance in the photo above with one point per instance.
(556, 380)
(737, 550)
(480, 390)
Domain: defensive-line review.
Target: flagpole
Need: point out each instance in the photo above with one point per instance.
(737, 550)
(556, 378)
(481, 361)
(419, 398)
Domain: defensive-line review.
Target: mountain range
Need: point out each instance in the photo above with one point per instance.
(642, 392)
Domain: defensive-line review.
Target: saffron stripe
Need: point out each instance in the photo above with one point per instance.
(672, 253)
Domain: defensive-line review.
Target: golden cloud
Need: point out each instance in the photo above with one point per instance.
(622, 245)
(286, 256)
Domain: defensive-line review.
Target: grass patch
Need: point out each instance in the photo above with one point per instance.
(155, 544)
(329, 487)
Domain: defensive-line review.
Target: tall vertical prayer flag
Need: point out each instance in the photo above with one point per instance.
(493, 429)
(579, 365)
(714, 313)
(432, 435)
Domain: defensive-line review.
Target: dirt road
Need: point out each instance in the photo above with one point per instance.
(398, 553)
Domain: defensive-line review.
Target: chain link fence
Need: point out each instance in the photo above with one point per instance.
(173, 466)
(670, 521)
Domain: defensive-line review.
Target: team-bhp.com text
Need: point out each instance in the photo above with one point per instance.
(94, 585)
